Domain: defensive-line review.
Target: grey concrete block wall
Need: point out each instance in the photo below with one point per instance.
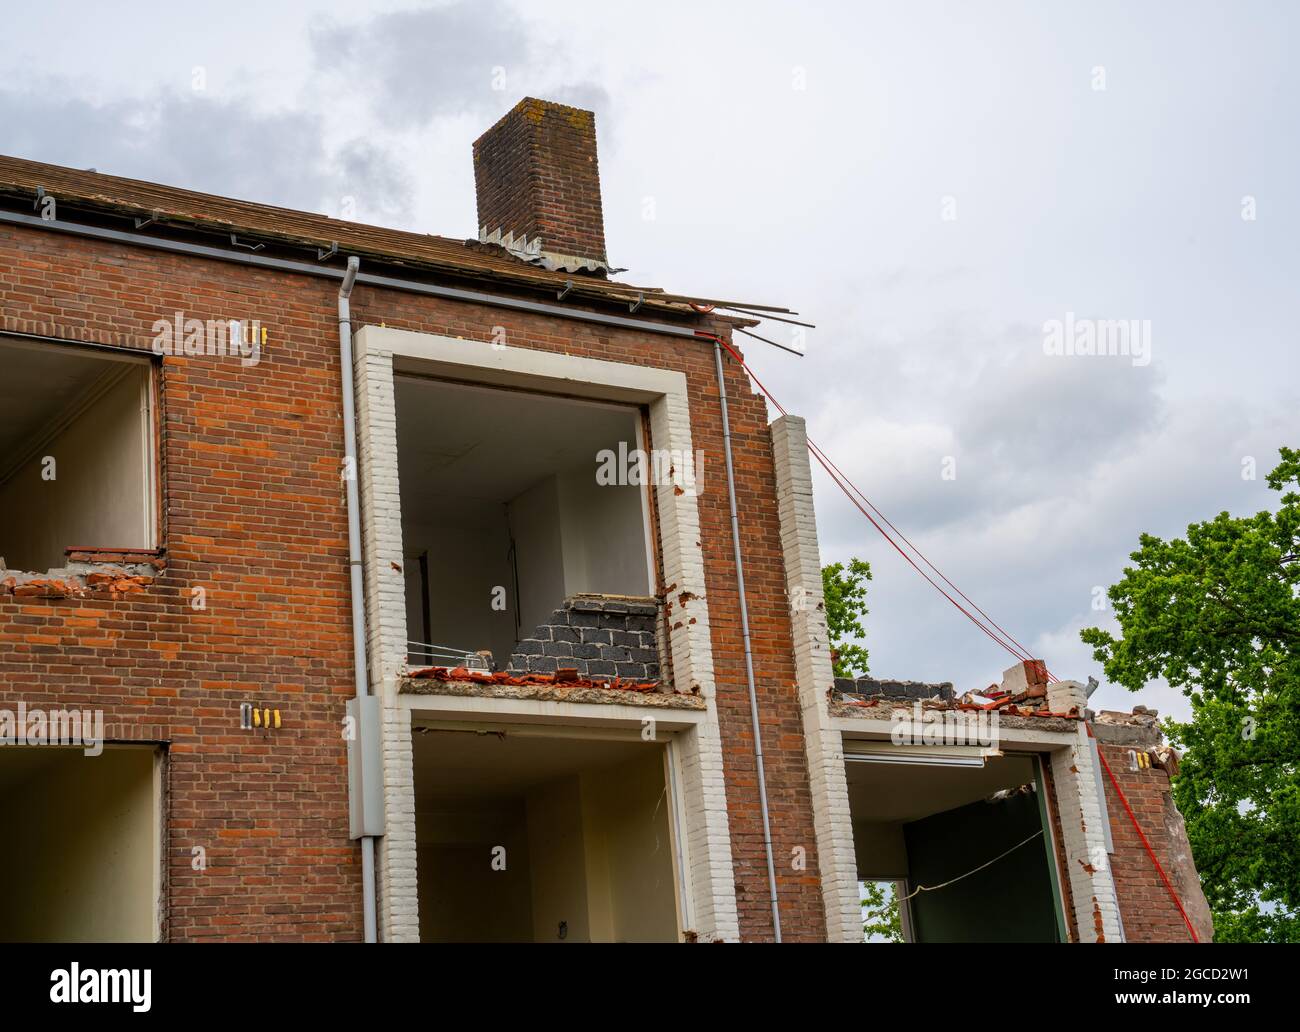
(601, 638)
(870, 687)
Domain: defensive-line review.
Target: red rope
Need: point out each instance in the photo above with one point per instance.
(837, 476)
(912, 563)
(1138, 828)
(906, 540)
(840, 481)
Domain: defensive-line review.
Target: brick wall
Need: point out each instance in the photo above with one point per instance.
(785, 761)
(832, 817)
(787, 773)
(254, 511)
(253, 514)
(1083, 846)
(536, 174)
(1147, 909)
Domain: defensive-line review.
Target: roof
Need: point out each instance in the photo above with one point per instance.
(190, 210)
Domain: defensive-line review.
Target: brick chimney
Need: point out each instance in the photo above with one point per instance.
(536, 176)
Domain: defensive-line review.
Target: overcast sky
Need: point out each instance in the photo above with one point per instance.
(929, 183)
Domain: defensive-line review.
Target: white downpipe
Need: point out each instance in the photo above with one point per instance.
(749, 652)
(359, 661)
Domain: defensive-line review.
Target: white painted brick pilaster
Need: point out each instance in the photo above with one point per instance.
(1092, 883)
(832, 820)
(708, 834)
(381, 522)
(709, 872)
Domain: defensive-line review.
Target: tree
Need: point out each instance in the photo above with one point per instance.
(845, 589)
(1218, 616)
(880, 916)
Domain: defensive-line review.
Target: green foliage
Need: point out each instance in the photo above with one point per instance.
(845, 589)
(1218, 616)
(880, 916)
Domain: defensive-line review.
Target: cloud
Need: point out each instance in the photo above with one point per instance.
(468, 58)
(219, 146)
(381, 187)
(422, 64)
(1007, 423)
(1036, 561)
(590, 97)
(1070, 654)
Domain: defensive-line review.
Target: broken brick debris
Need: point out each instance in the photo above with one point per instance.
(1139, 730)
(1024, 692)
(90, 573)
(568, 677)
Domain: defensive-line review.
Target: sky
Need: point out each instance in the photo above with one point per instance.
(933, 185)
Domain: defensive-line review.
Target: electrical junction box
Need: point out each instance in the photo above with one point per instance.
(365, 769)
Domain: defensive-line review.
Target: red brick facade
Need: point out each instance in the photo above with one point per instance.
(253, 511)
(1146, 906)
(252, 514)
(788, 790)
(536, 174)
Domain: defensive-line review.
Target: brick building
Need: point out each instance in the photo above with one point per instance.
(316, 601)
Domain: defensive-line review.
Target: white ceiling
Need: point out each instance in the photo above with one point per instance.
(452, 766)
(483, 446)
(37, 381)
(908, 792)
